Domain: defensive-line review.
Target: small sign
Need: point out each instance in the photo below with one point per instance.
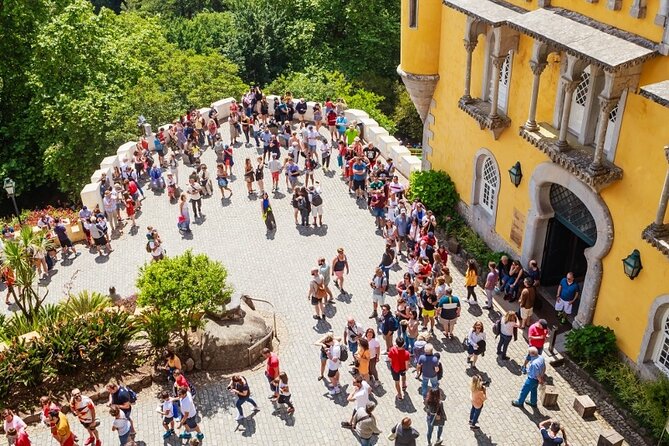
(517, 227)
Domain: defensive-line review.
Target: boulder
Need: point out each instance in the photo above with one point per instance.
(189, 364)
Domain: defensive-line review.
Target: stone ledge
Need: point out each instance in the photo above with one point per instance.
(658, 237)
(480, 111)
(576, 158)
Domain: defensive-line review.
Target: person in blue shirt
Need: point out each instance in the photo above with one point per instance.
(428, 369)
(359, 178)
(341, 123)
(550, 433)
(535, 375)
(403, 224)
(567, 294)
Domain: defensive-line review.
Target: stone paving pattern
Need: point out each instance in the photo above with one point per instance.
(276, 268)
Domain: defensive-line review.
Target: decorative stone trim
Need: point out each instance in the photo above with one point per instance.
(658, 237)
(480, 111)
(614, 5)
(658, 92)
(421, 88)
(638, 9)
(428, 134)
(544, 3)
(575, 161)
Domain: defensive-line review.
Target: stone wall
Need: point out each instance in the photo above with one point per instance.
(372, 132)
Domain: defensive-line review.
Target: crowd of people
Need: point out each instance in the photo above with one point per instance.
(400, 336)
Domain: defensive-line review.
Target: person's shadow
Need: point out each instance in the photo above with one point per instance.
(249, 426)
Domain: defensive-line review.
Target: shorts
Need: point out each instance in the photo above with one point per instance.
(67, 243)
(378, 212)
(339, 274)
(315, 301)
(316, 210)
(275, 176)
(359, 184)
(396, 375)
(378, 298)
(332, 373)
(525, 313)
(429, 313)
(265, 149)
(167, 420)
(563, 305)
(191, 422)
(324, 355)
(312, 147)
(100, 241)
(90, 425)
(448, 324)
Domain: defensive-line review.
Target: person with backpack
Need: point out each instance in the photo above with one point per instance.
(475, 344)
(303, 206)
(316, 201)
(122, 398)
(379, 285)
(317, 294)
(364, 424)
(389, 325)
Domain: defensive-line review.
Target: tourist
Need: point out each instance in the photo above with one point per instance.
(535, 375)
(387, 261)
(428, 302)
(260, 175)
(379, 285)
(362, 356)
(172, 363)
(537, 334)
(228, 159)
(507, 330)
(503, 269)
(534, 273)
(130, 208)
(292, 172)
(83, 407)
(478, 394)
(403, 224)
(567, 296)
(267, 212)
(303, 206)
(194, 190)
(318, 116)
(109, 205)
(205, 181)
(340, 123)
(352, 334)
(411, 332)
(155, 245)
(317, 294)
(331, 117)
(99, 236)
(63, 239)
(9, 279)
(272, 370)
(156, 176)
(239, 387)
(550, 433)
(364, 424)
(490, 282)
(339, 264)
(333, 351)
(471, 280)
(526, 302)
(165, 409)
(60, 429)
(360, 178)
(281, 383)
(436, 415)
(181, 381)
(316, 200)
(513, 281)
(222, 180)
(399, 363)
(120, 397)
(389, 326)
(293, 203)
(188, 415)
(121, 425)
(12, 421)
(427, 367)
(449, 312)
(17, 438)
(359, 396)
(183, 222)
(475, 344)
(403, 314)
(404, 434)
(324, 270)
(275, 168)
(374, 355)
(325, 155)
(85, 217)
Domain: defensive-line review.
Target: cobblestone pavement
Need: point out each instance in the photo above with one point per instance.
(276, 268)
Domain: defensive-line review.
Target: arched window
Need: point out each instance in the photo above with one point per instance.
(489, 178)
(661, 357)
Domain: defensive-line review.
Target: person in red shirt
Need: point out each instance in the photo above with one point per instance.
(332, 121)
(179, 380)
(536, 337)
(19, 438)
(399, 363)
(272, 370)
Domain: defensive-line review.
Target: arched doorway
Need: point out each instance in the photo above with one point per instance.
(570, 232)
(573, 219)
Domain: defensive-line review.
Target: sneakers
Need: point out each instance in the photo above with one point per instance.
(239, 418)
(374, 315)
(200, 435)
(335, 390)
(185, 435)
(90, 440)
(166, 435)
(516, 403)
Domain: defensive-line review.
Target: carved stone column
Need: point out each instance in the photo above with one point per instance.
(469, 47)
(662, 207)
(569, 88)
(605, 107)
(497, 63)
(537, 69)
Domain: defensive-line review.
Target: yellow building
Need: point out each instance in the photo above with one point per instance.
(575, 95)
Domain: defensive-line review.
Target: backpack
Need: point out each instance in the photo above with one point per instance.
(148, 247)
(393, 324)
(497, 327)
(343, 353)
(132, 396)
(301, 205)
(316, 199)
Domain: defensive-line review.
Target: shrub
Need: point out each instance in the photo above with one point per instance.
(157, 327)
(476, 247)
(591, 346)
(84, 303)
(183, 288)
(436, 190)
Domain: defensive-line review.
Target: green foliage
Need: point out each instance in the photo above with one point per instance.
(18, 324)
(436, 190)
(591, 345)
(157, 327)
(647, 401)
(409, 125)
(182, 289)
(316, 84)
(476, 247)
(85, 302)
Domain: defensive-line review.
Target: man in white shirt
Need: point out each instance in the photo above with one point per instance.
(312, 139)
(333, 363)
(189, 415)
(359, 396)
(274, 167)
(84, 409)
(194, 190)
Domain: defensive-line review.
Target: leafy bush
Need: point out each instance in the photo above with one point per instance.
(591, 346)
(476, 247)
(183, 288)
(85, 302)
(409, 124)
(648, 401)
(157, 327)
(436, 190)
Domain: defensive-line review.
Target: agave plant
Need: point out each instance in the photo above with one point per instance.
(47, 316)
(84, 303)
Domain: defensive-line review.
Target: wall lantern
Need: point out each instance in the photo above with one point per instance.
(632, 264)
(516, 174)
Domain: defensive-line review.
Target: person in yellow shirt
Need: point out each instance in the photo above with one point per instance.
(61, 428)
(471, 280)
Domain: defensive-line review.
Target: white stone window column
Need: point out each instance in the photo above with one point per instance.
(664, 198)
(569, 88)
(497, 63)
(638, 9)
(469, 47)
(537, 69)
(605, 107)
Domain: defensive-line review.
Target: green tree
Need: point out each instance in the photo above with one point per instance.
(182, 289)
(409, 124)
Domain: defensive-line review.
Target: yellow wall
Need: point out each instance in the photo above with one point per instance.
(599, 11)
(419, 53)
(623, 304)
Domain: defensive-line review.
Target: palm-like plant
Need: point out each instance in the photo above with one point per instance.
(85, 302)
(19, 256)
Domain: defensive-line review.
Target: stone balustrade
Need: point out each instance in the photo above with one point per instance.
(371, 132)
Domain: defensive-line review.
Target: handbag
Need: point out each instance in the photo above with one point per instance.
(393, 435)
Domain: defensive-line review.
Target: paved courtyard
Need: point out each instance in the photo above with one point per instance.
(277, 268)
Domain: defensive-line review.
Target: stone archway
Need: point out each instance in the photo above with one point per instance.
(541, 211)
(649, 341)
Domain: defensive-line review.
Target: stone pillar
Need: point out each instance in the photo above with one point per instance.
(497, 63)
(569, 88)
(421, 88)
(605, 107)
(469, 47)
(662, 207)
(537, 69)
